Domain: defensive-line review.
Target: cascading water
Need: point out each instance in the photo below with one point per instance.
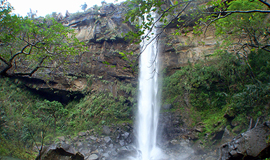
(148, 102)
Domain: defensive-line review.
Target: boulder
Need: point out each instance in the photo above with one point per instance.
(106, 130)
(251, 144)
(61, 139)
(56, 152)
(92, 157)
(107, 139)
(82, 134)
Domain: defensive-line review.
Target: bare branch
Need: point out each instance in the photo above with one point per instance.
(2, 59)
(167, 10)
(249, 11)
(20, 52)
(34, 70)
(268, 45)
(163, 28)
(265, 3)
(216, 20)
(256, 46)
(250, 124)
(257, 121)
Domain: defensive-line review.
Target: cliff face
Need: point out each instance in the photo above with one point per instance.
(101, 25)
(103, 31)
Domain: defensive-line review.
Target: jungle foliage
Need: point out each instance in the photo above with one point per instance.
(235, 81)
(222, 86)
(102, 108)
(29, 121)
(28, 44)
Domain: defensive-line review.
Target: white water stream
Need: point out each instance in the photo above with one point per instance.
(148, 101)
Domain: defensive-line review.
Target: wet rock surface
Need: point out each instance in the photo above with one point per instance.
(251, 144)
(120, 145)
(114, 146)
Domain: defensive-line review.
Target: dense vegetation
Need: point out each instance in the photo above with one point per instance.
(222, 92)
(28, 120)
(228, 89)
(29, 44)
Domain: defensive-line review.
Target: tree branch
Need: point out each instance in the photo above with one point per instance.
(163, 28)
(249, 11)
(265, 3)
(256, 46)
(34, 70)
(2, 59)
(216, 20)
(167, 10)
(20, 52)
(268, 45)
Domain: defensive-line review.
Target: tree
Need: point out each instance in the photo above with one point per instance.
(84, 6)
(244, 27)
(32, 14)
(28, 44)
(222, 14)
(244, 20)
(52, 109)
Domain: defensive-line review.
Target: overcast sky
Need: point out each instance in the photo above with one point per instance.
(45, 7)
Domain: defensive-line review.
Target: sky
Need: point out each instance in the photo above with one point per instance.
(44, 7)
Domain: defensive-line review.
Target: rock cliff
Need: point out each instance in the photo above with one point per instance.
(103, 31)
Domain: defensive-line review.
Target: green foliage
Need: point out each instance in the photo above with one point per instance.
(141, 10)
(14, 150)
(128, 89)
(268, 139)
(204, 78)
(34, 43)
(54, 108)
(51, 110)
(28, 121)
(222, 85)
(252, 25)
(98, 109)
(260, 65)
(132, 63)
(17, 112)
(250, 29)
(213, 121)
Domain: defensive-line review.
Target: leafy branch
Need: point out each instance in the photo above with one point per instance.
(32, 44)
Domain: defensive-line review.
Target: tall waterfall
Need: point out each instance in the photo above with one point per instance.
(148, 100)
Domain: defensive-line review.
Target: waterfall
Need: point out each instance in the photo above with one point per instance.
(148, 100)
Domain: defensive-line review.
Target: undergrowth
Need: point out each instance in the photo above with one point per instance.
(224, 91)
(102, 108)
(29, 121)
